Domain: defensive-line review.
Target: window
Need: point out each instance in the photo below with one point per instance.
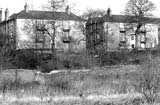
(98, 36)
(11, 35)
(39, 37)
(132, 37)
(132, 46)
(142, 38)
(121, 25)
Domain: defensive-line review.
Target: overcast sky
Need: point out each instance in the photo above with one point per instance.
(77, 6)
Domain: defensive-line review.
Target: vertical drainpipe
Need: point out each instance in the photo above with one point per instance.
(6, 21)
(15, 34)
(6, 29)
(107, 38)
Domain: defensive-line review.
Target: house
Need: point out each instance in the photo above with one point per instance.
(32, 29)
(112, 32)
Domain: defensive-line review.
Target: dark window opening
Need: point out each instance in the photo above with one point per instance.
(132, 46)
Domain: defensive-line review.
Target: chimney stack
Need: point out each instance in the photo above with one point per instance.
(109, 12)
(26, 8)
(1, 15)
(6, 14)
(67, 9)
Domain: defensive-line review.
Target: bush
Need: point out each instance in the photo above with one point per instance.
(67, 64)
(78, 61)
(27, 59)
(113, 58)
(49, 65)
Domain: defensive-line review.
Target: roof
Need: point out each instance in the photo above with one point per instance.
(122, 19)
(116, 18)
(128, 18)
(49, 15)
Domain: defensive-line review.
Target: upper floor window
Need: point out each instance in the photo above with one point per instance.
(132, 37)
(98, 36)
(39, 37)
(121, 25)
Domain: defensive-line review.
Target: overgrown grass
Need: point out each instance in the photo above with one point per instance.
(106, 82)
(102, 82)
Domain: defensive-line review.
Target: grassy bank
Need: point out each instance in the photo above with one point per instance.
(99, 84)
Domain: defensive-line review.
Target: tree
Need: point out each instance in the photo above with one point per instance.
(49, 27)
(139, 11)
(55, 5)
(89, 13)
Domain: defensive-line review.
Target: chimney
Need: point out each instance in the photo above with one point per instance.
(1, 15)
(67, 9)
(6, 14)
(109, 12)
(26, 8)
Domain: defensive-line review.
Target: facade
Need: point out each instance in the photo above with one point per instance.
(30, 29)
(114, 33)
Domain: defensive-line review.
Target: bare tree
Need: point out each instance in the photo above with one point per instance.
(139, 10)
(49, 27)
(55, 5)
(90, 13)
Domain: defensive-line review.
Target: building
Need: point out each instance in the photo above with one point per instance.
(112, 32)
(32, 29)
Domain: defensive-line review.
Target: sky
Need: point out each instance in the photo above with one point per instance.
(77, 6)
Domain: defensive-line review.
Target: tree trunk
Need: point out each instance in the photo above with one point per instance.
(53, 46)
(136, 37)
(53, 43)
(136, 41)
(54, 57)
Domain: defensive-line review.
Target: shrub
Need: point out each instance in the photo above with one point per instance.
(67, 63)
(113, 58)
(27, 59)
(77, 61)
(49, 65)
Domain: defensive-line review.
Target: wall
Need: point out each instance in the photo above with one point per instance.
(114, 36)
(26, 34)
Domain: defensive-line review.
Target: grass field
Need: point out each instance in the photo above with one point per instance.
(96, 86)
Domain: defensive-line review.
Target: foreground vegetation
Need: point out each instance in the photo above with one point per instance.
(113, 85)
(114, 78)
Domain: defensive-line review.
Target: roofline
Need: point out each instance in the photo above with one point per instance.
(148, 19)
(15, 16)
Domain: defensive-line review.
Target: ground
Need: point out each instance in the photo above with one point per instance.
(110, 85)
